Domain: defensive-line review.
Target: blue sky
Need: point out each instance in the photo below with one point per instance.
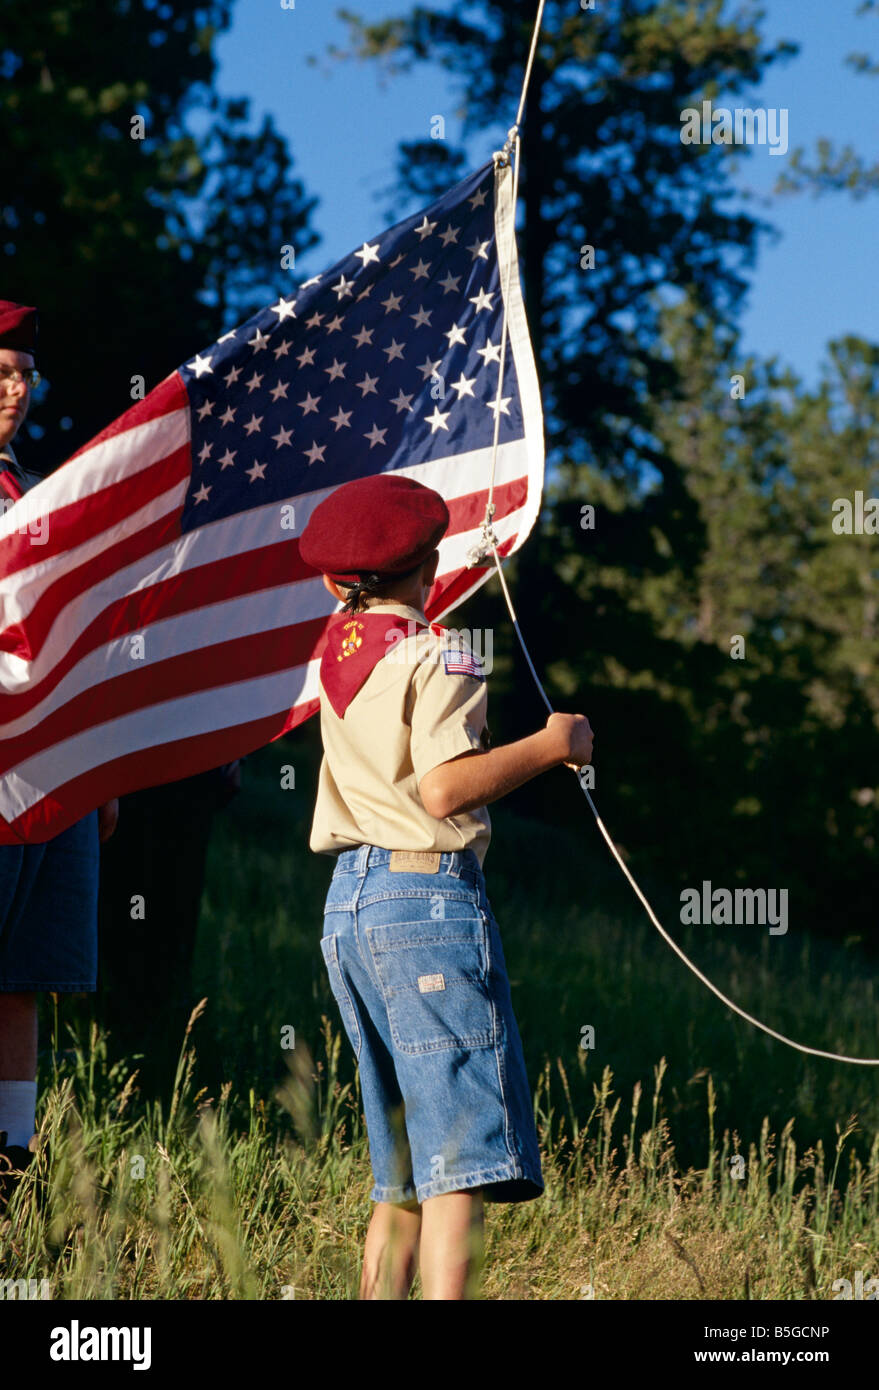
(817, 282)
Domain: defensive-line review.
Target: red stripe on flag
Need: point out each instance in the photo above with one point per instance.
(243, 658)
(200, 587)
(168, 396)
(181, 757)
(269, 567)
(467, 511)
(26, 639)
(207, 668)
(76, 523)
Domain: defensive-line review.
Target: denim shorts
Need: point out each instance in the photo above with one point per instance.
(416, 967)
(49, 912)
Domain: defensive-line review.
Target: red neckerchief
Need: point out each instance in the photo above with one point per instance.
(9, 482)
(356, 642)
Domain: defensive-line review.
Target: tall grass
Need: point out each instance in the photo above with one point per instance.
(233, 1196)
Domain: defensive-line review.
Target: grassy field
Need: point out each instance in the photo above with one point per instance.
(685, 1155)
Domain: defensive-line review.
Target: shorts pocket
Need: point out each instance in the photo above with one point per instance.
(433, 977)
(340, 991)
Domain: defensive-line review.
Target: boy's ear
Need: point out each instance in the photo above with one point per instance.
(331, 587)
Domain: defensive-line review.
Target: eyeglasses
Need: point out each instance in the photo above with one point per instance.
(30, 376)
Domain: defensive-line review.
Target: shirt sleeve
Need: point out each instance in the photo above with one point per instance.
(448, 715)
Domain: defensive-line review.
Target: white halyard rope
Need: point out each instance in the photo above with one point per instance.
(489, 542)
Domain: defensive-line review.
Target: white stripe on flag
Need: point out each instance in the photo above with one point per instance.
(261, 611)
(111, 461)
(245, 616)
(20, 592)
(235, 535)
(200, 713)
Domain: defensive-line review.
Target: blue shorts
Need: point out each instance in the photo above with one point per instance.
(49, 912)
(416, 967)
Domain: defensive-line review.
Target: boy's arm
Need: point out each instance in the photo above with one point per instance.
(475, 779)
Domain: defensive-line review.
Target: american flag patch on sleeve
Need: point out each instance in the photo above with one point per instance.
(458, 661)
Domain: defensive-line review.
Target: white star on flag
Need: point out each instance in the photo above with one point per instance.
(367, 254)
(375, 436)
(437, 420)
(284, 309)
(479, 248)
(490, 353)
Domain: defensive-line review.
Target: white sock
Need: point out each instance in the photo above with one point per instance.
(18, 1106)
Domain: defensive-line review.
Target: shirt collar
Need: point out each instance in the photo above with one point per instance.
(399, 610)
(6, 452)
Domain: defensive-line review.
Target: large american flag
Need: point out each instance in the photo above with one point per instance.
(156, 617)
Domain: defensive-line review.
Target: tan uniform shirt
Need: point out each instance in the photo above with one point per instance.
(409, 716)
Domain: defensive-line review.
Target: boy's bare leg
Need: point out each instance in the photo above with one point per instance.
(451, 1244)
(391, 1250)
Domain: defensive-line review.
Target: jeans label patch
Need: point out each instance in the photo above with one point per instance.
(418, 861)
(429, 984)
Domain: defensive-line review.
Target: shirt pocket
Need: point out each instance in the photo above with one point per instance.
(433, 977)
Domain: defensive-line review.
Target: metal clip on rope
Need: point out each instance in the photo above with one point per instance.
(484, 547)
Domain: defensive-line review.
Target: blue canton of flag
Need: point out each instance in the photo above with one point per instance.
(389, 359)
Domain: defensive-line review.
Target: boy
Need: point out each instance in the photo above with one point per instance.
(411, 946)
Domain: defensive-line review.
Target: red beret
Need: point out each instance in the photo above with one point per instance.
(385, 524)
(18, 326)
